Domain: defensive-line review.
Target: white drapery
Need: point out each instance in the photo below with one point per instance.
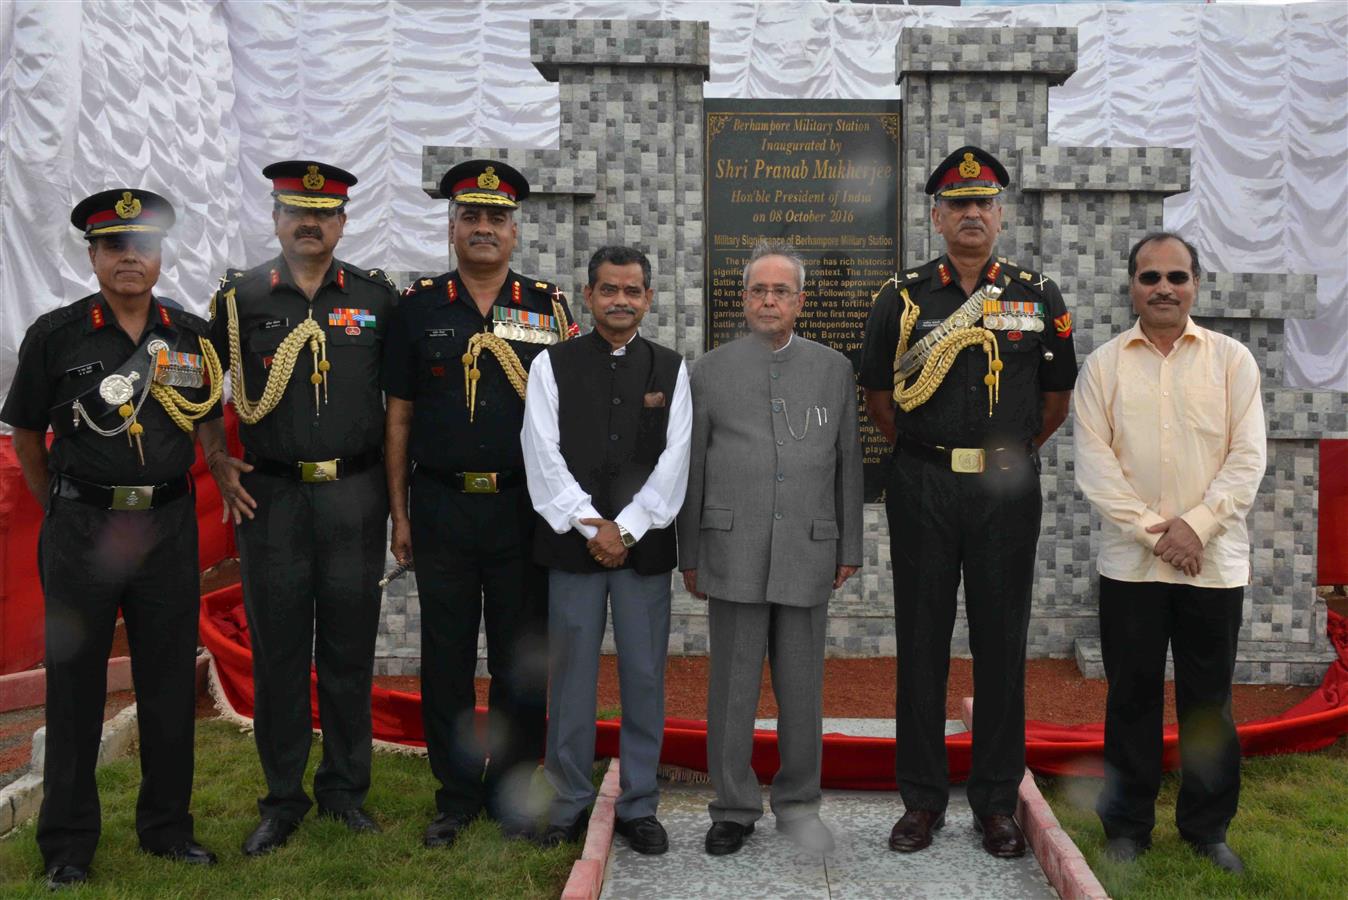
(194, 98)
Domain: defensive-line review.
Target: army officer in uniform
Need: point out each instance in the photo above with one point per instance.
(456, 372)
(304, 334)
(968, 368)
(122, 377)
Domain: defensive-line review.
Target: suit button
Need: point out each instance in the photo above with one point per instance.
(776, 406)
(781, 477)
(776, 515)
(617, 401)
(781, 443)
(776, 374)
(613, 365)
(612, 437)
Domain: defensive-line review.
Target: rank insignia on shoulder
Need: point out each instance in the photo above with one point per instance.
(1025, 276)
(541, 285)
(911, 276)
(425, 282)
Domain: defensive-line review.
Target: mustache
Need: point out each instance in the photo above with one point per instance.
(309, 231)
(482, 239)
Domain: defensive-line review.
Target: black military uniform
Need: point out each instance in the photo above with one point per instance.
(311, 559)
(945, 519)
(472, 522)
(120, 531)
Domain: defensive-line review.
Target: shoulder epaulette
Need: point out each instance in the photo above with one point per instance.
(1019, 275)
(424, 285)
(190, 321)
(49, 322)
(375, 276)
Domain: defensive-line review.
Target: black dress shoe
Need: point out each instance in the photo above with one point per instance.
(445, 828)
(1002, 837)
(272, 832)
(914, 829)
(356, 820)
(556, 835)
(189, 852)
(1221, 856)
(644, 835)
(1125, 849)
(59, 877)
(724, 838)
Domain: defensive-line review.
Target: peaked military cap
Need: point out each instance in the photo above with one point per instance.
(968, 172)
(122, 210)
(308, 184)
(484, 182)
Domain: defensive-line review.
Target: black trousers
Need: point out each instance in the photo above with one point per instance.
(1201, 625)
(310, 563)
(93, 561)
(474, 560)
(943, 524)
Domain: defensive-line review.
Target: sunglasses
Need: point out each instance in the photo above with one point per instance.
(1154, 278)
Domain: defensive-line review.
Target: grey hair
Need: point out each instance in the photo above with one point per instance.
(776, 248)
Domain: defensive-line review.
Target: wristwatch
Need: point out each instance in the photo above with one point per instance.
(628, 540)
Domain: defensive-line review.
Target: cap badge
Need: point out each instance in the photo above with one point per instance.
(969, 168)
(489, 180)
(313, 181)
(128, 207)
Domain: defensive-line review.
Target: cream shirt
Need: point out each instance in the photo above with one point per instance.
(1163, 436)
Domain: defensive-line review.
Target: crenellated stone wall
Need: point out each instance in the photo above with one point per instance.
(630, 171)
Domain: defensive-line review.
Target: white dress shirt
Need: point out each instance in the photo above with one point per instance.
(556, 494)
(1159, 436)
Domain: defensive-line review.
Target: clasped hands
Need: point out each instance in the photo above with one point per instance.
(1179, 545)
(606, 547)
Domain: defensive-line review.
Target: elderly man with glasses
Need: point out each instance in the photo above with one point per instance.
(976, 354)
(1170, 449)
(770, 527)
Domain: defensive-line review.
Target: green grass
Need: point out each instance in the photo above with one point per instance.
(1291, 830)
(322, 860)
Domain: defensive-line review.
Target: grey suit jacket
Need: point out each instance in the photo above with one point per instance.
(774, 480)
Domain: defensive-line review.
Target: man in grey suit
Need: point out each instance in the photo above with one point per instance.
(770, 527)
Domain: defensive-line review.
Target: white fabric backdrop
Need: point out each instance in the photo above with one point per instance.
(194, 98)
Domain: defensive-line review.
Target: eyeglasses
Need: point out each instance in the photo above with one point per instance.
(631, 291)
(781, 293)
(1154, 278)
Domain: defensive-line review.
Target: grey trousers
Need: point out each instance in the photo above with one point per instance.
(793, 639)
(577, 607)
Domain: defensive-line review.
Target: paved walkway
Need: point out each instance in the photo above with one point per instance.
(862, 866)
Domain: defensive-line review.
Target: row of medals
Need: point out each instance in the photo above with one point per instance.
(526, 334)
(1001, 322)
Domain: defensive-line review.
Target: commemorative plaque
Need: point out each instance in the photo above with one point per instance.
(822, 175)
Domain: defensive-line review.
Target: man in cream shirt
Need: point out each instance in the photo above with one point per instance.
(1170, 449)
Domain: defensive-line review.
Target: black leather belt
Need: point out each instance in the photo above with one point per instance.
(965, 460)
(125, 497)
(316, 470)
(475, 482)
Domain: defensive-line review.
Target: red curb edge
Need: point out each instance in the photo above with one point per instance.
(23, 690)
(587, 873)
(1064, 866)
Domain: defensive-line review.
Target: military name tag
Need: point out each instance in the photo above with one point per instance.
(83, 369)
(439, 332)
(274, 323)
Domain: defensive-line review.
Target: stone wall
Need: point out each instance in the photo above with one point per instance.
(630, 171)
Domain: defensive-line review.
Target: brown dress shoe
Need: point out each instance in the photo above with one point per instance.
(1002, 837)
(913, 831)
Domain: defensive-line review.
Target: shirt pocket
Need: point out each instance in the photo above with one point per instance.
(439, 361)
(1205, 409)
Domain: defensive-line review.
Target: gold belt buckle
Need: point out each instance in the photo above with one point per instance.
(966, 460)
(131, 497)
(323, 470)
(479, 482)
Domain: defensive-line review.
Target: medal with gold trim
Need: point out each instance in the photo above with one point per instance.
(523, 325)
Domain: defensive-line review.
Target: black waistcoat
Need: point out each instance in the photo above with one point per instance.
(612, 434)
